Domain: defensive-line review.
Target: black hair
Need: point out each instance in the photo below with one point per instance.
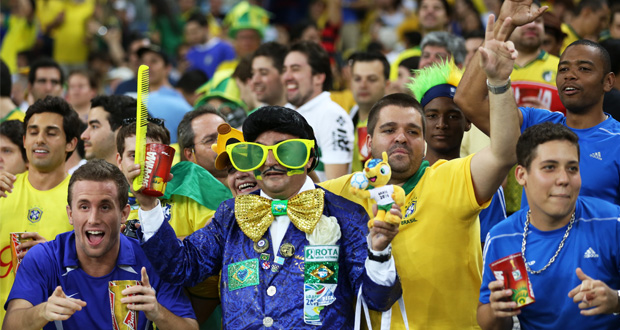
(80, 145)
(281, 120)
(199, 18)
(92, 80)
(594, 5)
(445, 4)
(612, 46)
(55, 104)
(185, 133)
(5, 80)
(153, 131)
(14, 131)
(243, 71)
(536, 135)
(298, 29)
(273, 50)
(318, 59)
(371, 57)
(191, 80)
(44, 62)
(118, 108)
(397, 99)
(604, 55)
(99, 170)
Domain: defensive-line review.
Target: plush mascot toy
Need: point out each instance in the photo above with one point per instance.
(372, 183)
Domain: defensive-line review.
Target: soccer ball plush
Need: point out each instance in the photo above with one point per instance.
(359, 180)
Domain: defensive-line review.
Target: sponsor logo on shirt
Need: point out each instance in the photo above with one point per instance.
(596, 155)
(590, 254)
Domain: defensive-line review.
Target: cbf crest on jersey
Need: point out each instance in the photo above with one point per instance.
(35, 214)
(410, 209)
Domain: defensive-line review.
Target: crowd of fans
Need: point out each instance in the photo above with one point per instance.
(68, 94)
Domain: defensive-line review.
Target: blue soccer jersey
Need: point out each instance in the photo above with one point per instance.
(493, 214)
(55, 263)
(592, 244)
(599, 154)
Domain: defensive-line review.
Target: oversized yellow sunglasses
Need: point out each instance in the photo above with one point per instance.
(248, 156)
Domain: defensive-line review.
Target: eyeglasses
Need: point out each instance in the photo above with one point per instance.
(248, 156)
(156, 121)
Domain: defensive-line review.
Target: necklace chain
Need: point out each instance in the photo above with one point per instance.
(525, 229)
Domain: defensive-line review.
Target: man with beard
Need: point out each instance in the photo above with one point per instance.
(584, 75)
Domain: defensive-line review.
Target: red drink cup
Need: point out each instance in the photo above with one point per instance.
(511, 270)
(157, 164)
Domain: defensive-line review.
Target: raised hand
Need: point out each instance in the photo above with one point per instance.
(520, 11)
(59, 307)
(6, 183)
(497, 56)
(593, 296)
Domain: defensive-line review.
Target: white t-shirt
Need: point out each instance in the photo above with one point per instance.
(382, 195)
(333, 130)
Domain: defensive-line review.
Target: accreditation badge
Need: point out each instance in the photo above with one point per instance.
(320, 280)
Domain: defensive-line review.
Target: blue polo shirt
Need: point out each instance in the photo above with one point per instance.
(55, 263)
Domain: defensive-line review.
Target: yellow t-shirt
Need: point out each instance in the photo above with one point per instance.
(21, 35)
(27, 209)
(70, 46)
(537, 78)
(571, 36)
(437, 250)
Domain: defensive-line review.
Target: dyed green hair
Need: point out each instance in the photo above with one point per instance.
(434, 75)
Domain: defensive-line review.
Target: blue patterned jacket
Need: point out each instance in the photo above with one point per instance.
(221, 243)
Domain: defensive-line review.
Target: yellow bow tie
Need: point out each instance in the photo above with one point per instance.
(254, 213)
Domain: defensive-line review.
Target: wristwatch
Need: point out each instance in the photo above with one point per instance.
(498, 89)
(380, 258)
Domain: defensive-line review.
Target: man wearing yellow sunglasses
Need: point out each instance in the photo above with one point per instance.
(274, 273)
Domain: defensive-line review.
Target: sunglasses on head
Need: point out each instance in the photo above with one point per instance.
(248, 156)
(156, 121)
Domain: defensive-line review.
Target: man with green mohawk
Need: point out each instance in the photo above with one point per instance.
(434, 87)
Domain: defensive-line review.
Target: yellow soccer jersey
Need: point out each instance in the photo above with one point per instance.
(15, 114)
(184, 214)
(27, 209)
(571, 36)
(437, 251)
(537, 78)
(69, 38)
